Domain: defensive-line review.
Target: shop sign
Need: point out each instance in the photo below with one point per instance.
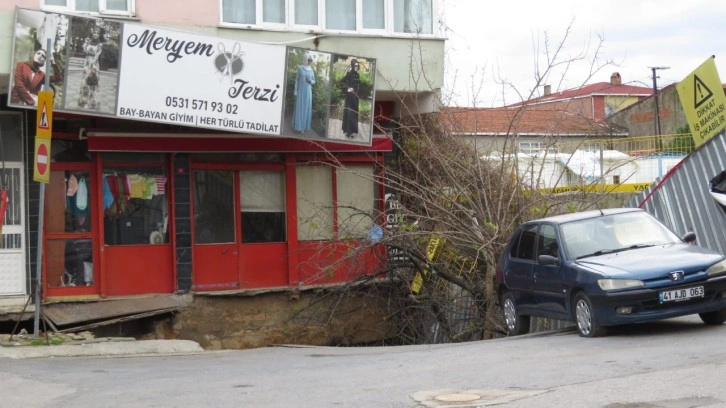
(146, 73)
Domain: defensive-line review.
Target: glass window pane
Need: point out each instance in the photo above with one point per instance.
(273, 11)
(306, 12)
(413, 16)
(373, 14)
(70, 262)
(11, 180)
(56, 3)
(87, 5)
(262, 197)
(74, 189)
(12, 137)
(340, 14)
(356, 201)
(117, 5)
(239, 11)
(214, 211)
(314, 202)
(135, 206)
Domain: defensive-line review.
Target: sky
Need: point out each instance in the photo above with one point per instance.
(495, 48)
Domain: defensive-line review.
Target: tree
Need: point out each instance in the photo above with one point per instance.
(454, 214)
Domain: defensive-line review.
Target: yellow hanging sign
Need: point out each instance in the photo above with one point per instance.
(44, 116)
(703, 101)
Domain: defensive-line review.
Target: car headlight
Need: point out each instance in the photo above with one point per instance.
(717, 269)
(615, 284)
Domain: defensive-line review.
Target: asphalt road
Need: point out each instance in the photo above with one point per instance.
(677, 363)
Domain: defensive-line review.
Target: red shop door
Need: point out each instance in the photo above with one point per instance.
(216, 242)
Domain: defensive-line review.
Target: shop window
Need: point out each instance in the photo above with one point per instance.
(66, 151)
(214, 207)
(76, 209)
(262, 198)
(354, 201)
(70, 262)
(135, 205)
(314, 202)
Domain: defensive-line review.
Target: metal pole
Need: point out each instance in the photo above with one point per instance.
(41, 211)
(657, 109)
(656, 119)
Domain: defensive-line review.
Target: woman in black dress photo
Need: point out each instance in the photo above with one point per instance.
(350, 86)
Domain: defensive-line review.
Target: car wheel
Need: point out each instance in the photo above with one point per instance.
(713, 318)
(516, 324)
(587, 325)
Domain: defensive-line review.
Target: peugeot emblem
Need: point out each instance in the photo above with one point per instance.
(676, 276)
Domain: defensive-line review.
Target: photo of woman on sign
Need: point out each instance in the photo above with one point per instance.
(307, 91)
(33, 31)
(94, 62)
(29, 78)
(351, 104)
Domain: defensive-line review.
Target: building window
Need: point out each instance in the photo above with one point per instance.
(413, 16)
(117, 7)
(537, 148)
(348, 211)
(393, 16)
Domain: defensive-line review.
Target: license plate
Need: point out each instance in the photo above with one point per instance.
(680, 294)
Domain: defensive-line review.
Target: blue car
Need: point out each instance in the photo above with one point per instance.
(607, 267)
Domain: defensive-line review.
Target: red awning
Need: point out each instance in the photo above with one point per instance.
(201, 143)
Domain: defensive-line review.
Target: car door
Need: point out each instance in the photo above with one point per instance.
(548, 279)
(518, 272)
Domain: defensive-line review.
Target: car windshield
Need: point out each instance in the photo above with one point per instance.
(614, 233)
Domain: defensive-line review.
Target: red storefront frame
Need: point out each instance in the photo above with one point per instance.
(264, 265)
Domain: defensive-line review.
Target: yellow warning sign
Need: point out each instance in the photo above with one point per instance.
(44, 116)
(703, 101)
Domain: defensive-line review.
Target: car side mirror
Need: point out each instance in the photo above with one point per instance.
(548, 260)
(689, 237)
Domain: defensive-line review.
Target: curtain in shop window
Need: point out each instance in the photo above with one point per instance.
(340, 14)
(314, 203)
(356, 201)
(413, 16)
(273, 11)
(239, 11)
(373, 14)
(306, 12)
(87, 5)
(262, 191)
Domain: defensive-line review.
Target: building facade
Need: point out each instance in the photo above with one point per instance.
(152, 190)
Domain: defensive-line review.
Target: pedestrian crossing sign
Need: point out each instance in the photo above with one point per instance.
(44, 116)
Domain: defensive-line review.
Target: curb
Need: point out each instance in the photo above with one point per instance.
(104, 349)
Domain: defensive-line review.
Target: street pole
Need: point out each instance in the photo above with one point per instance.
(41, 210)
(656, 119)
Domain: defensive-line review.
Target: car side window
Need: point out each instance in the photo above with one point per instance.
(524, 247)
(547, 241)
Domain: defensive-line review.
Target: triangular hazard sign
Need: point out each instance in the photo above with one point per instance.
(701, 93)
(43, 124)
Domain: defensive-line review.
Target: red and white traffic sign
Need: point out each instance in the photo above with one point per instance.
(41, 171)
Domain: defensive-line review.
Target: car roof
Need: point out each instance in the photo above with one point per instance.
(561, 219)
